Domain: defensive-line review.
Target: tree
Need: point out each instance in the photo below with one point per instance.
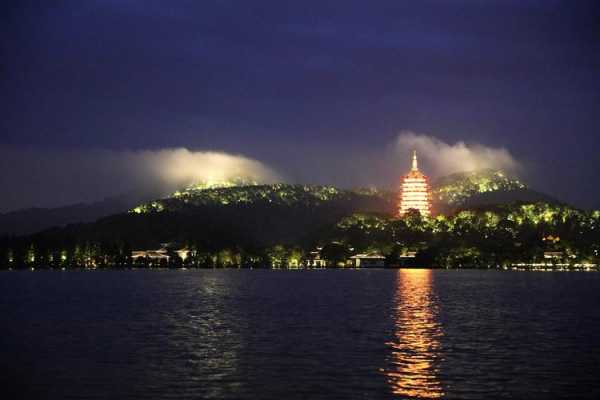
(277, 256)
(336, 254)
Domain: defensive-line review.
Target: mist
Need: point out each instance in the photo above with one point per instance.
(51, 178)
(384, 165)
(443, 158)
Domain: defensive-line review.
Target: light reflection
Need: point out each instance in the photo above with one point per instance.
(415, 351)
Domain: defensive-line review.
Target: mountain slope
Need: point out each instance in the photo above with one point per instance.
(239, 201)
(482, 188)
(279, 194)
(31, 220)
(255, 215)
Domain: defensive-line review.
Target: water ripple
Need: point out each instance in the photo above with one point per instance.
(415, 351)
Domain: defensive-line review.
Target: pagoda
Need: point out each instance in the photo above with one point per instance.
(415, 193)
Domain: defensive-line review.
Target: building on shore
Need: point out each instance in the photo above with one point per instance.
(405, 259)
(158, 256)
(315, 260)
(415, 193)
(368, 260)
(553, 255)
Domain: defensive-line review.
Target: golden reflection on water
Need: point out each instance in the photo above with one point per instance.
(415, 351)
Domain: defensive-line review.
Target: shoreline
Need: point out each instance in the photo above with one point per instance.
(186, 269)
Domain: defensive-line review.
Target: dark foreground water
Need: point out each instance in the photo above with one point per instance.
(293, 335)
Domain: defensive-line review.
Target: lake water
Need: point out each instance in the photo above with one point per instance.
(364, 334)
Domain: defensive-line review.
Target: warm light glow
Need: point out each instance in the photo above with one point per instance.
(183, 254)
(416, 349)
(415, 193)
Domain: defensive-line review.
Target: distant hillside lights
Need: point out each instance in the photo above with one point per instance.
(277, 194)
(415, 193)
(472, 183)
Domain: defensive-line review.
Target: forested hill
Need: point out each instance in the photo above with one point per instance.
(253, 215)
(250, 200)
(31, 220)
(251, 220)
(482, 188)
(192, 199)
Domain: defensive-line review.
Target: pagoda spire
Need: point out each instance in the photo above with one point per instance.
(415, 165)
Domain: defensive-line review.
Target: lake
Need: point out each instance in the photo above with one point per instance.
(250, 334)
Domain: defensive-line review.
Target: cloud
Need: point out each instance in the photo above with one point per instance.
(179, 167)
(49, 178)
(442, 158)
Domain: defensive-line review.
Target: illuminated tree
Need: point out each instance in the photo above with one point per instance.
(225, 258)
(31, 255)
(277, 256)
(295, 258)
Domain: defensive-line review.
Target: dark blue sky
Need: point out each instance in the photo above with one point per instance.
(287, 82)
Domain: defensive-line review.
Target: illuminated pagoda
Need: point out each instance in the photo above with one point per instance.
(415, 193)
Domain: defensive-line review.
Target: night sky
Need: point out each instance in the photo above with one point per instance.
(306, 87)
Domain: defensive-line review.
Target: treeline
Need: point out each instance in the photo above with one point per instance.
(17, 253)
(498, 236)
(494, 237)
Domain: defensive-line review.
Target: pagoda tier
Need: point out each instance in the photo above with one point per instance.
(415, 192)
